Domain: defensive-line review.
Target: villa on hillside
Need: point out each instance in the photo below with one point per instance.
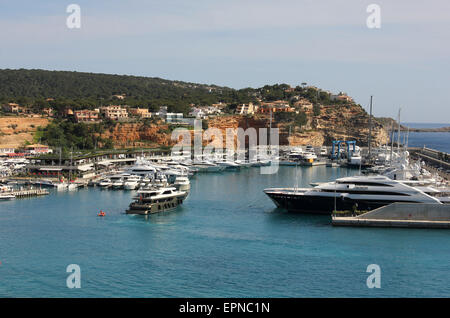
(86, 115)
(275, 106)
(48, 111)
(303, 103)
(168, 117)
(140, 112)
(14, 108)
(114, 112)
(342, 97)
(204, 111)
(246, 109)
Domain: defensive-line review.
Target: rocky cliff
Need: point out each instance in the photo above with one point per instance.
(349, 122)
(126, 135)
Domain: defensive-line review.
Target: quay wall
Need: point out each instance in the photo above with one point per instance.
(410, 211)
(401, 215)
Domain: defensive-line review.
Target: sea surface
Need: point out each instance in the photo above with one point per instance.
(226, 240)
(434, 140)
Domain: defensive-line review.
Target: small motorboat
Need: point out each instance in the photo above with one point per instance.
(101, 213)
(7, 196)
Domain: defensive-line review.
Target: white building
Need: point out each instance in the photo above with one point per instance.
(173, 117)
(4, 151)
(197, 113)
(246, 109)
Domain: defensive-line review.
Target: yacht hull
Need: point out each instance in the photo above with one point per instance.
(313, 204)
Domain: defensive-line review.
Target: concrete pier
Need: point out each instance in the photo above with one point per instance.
(407, 215)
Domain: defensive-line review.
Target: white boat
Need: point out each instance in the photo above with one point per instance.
(72, 186)
(309, 148)
(142, 168)
(117, 181)
(243, 163)
(355, 157)
(207, 166)
(159, 181)
(7, 196)
(60, 186)
(182, 183)
(362, 192)
(309, 156)
(105, 183)
(132, 182)
(228, 165)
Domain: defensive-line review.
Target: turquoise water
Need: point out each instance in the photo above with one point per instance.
(226, 240)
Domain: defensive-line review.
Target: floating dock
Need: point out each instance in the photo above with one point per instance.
(406, 215)
(29, 193)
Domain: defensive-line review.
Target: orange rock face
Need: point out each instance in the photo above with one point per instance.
(138, 135)
(334, 123)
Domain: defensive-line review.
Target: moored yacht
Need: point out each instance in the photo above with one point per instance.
(117, 181)
(182, 183)
(131, 183)
(156, 200)
(7, 196)
(105, 183)
(361, 192)
(6, 193)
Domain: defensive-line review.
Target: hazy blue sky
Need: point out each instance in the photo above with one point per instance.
(241, 43)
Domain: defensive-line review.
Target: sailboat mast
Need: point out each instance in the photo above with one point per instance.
(398, 134)
(370, 128)
(392, 142)
(270, 131)
(407, 139)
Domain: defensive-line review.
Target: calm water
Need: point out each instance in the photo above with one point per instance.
(434, 140)
(226, 240)
(427, 125)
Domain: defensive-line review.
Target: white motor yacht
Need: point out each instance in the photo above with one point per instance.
(363, 192)
(182, 183)
(105, 183)
(117, 181)
(132, 182)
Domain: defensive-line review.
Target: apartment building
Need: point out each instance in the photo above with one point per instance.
(114, 112)
(140, 112)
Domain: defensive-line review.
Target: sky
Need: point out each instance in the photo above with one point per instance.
(248, 43)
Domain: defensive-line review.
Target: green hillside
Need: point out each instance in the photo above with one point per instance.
(77, 89)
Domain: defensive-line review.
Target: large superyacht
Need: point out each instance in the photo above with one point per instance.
(361, 192)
